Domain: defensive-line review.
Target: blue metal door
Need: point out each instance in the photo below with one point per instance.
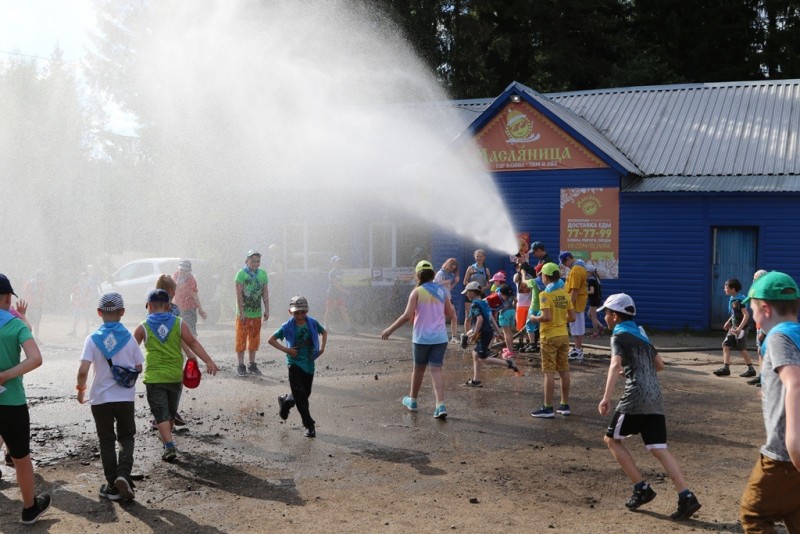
(734, 256)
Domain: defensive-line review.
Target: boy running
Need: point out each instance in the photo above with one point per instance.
(641, 408)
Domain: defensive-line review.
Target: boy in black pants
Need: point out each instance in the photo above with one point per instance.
(302, 333)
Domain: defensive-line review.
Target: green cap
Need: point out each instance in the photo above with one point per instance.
(550, 269)
(773, 286)
(424, 264)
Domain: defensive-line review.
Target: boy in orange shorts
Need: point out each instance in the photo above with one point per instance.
(252, 287)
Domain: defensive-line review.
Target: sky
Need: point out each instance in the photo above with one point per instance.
(35, 27)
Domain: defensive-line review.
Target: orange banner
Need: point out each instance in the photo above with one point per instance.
(590, 227)
(519, 138)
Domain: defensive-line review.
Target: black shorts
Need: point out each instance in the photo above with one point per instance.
(15, 429)
(738, 344)
(484, 343)
(652, 427)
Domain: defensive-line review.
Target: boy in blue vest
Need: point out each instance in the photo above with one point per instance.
(482, 334)
(773, 489)
(302, 333)
(641, 408)
(112, 402)
(15, 423)
(162, 333)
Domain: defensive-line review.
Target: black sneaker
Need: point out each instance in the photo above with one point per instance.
(310, 432)
(241, 370)
(755, 381)
(464, 341)
(284, 407)
(640, 497)
(110, 492)
(723, 371)
(125, 488)
(749, 373)
(253, 369)
(40, 505)
(687, 506)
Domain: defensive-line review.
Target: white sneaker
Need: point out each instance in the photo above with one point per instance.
(575, 355)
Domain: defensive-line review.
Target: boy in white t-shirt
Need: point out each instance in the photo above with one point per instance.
(112, 394)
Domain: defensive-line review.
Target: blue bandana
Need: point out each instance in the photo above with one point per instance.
(161, 324)
(788, 329)
(435, 290)
(110, 338)
(5, 316)
(552, 286)
(629, 327)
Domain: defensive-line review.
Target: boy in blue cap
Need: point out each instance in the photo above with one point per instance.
(773, 490)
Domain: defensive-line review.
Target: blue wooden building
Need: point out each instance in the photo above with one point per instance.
(707, 180)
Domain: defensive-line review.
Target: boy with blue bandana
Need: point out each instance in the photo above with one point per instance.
(736, 330)
(773, 490)
(15, 423)
(641, 408)
(112, 403)
(162, 334)
(302, 333)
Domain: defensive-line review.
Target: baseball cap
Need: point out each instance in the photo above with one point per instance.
(111, 301)
(619, 302)
(157, 295)
(564, 256)
(253, 252)
(424, 264)
(537, 245)
(298, 303)
(773, 286)
(191, 374)
(549, 269)
(472, 286)
(499, 276)
(507, 291)
(5, 286)
(335, 258)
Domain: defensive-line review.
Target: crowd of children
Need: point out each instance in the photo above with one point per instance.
(552, 305)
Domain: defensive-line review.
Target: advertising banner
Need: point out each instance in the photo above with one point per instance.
(590, 227)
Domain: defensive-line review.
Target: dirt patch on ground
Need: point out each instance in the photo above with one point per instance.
(374, 466)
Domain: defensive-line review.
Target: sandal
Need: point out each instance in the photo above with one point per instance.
(473, 383)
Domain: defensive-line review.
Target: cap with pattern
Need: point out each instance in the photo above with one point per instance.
(111, 301)
(298, 303)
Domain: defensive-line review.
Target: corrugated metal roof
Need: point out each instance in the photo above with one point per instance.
(735, 136)
(715, 129)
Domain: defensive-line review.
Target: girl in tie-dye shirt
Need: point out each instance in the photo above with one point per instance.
(429, 307)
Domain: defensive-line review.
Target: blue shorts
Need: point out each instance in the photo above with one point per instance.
(432, 355)
(532, 326)
(507, 318)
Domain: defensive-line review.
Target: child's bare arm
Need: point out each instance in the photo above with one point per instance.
(290, 351)
(138, 334)
(198, 349)
(324, 342)
(614, 369)
(33, 359)
(83, 377)
(745, 319)
(790, 376)
(659, 363)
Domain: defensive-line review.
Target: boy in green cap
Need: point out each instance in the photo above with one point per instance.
(773, 490)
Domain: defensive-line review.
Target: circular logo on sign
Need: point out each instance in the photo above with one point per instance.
(518, 126)
(589, 207)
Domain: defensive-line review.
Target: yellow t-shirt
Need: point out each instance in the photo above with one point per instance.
(577, 280)
(559, 304)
